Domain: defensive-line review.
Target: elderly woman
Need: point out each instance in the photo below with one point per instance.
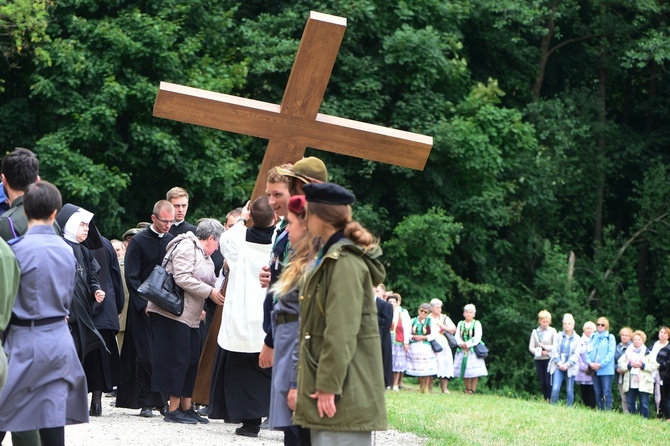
(540, 345)
(564, 363)
(340, 348)
(626, 336)
(637, 364)
(421, 359)
(177, 338)
(93, 317)
(468, 334)
(445, 360)
(88, 294)
(583, 378)
(401, 333)
(601, 349)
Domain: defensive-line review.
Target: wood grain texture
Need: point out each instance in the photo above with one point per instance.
(296, 124)
(263, 120)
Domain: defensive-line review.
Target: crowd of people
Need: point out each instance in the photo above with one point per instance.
(596, 361)
(422, 346)
(285, 317)
(279, 316)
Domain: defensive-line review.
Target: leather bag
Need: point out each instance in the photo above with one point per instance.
(451, 339)
(161, 289)
(481, 350)
(437, 348)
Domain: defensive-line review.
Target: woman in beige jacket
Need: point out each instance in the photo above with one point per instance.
(176, 342)
(638, 365)
(540, 345)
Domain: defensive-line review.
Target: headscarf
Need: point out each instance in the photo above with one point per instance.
(72, 225)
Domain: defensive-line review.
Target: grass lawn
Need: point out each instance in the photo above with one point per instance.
(479, 419)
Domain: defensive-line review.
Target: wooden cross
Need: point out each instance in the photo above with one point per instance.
(296, 124)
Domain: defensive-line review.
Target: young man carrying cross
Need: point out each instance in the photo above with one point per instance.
(283, 182)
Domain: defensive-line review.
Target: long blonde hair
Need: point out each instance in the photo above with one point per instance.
(299, 262)
(302, 254)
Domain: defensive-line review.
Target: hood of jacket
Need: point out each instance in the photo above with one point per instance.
(372, 257)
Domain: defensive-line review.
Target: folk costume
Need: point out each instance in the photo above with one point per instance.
(467, 364)
(421, 357)
(401, 333)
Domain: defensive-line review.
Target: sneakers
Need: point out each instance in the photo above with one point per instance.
(146, 412)
(193, 414)
(177, 416)
(246, 431)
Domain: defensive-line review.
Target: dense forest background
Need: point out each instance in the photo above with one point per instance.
(547, 188)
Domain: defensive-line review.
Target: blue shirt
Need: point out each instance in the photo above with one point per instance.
(48, 269)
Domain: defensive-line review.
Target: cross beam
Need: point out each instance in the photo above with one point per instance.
(296, 123)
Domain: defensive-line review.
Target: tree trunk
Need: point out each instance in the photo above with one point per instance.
(544, 50)
(602, 149)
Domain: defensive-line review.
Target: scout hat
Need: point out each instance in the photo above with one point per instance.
(328, 193)
(307, 170)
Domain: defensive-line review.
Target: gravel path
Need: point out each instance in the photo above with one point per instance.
(122, 427)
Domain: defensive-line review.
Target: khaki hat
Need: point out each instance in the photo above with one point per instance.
(307, 170)
(130, 232)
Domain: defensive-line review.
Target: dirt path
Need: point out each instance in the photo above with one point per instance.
(122, 427)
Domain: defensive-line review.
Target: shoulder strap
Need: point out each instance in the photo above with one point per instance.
(11, 226)
(169, 257)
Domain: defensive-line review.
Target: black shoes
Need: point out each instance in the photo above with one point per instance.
(96, 410)
(177, 416)
(163, 410)
(193, 414)
(146, 412)
(246, 431)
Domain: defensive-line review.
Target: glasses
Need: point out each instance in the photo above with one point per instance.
(167, 222)
(423, 311)
(600, 325)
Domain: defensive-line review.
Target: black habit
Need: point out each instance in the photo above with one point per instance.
(144, 252)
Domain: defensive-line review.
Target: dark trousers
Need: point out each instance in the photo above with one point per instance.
(541, 366)
(588, 395)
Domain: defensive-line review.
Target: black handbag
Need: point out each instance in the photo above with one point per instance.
(451, 339)
(161, 289)
(437, 348)
(481, 350)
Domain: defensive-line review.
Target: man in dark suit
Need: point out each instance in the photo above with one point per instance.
(145, 251)
(385, 319)
(179, 199)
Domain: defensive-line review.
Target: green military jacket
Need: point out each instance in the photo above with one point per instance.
(19, 221)
(340, 349)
